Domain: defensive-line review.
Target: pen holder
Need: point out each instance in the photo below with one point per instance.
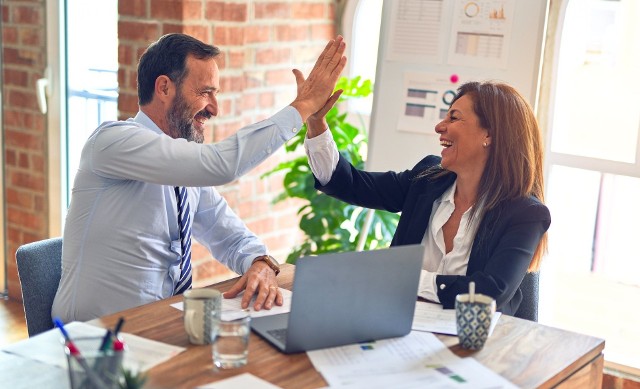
(89, 367)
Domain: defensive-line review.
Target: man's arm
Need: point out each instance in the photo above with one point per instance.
(136, 150)
(123, 151)
(218, 228)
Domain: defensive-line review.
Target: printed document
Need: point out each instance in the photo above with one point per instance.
(417, 360)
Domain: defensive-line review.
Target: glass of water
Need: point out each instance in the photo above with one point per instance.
(230, 335)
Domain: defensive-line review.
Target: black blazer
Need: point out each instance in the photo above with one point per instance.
(504, 244)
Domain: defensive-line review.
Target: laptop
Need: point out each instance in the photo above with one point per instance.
(347, 298)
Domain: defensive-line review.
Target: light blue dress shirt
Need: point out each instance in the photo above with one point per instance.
(121, 244)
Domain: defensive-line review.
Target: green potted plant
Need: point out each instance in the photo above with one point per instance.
(132, 379)
(331, 225)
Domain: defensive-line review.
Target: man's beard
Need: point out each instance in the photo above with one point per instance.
(180, 123)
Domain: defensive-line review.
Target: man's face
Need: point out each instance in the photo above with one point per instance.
(195, 100)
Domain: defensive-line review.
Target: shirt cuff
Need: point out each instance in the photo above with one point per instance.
(288, 121)
(317, 143)
(427, 288)
(323, 156)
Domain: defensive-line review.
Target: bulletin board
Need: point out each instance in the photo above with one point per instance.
(427, 49)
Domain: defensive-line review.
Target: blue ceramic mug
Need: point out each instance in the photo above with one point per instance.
(473, 319)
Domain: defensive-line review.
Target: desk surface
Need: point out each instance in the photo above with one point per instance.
(526, 353)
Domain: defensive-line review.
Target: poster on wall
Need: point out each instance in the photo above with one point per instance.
(426, 100)
(415, 33)
(481, 32)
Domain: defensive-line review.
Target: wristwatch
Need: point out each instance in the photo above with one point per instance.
(270, 261)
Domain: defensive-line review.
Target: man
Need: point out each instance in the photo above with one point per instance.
(143, 186)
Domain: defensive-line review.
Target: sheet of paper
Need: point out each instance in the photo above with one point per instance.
(244, 381)
(433, 318)
(417, 360)
(234, 304)
(463, 373)
(415, 32)
(18, 372)
(481, 32)
(141, 354)
(352, 363)
(425, 101)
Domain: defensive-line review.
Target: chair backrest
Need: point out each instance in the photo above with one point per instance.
(530, 288)
(39, 268)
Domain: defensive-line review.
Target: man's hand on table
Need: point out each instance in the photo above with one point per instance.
(260, 279)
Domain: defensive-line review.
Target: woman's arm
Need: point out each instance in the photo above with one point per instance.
(376, 190)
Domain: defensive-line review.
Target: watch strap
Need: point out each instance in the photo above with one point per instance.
(270, 261)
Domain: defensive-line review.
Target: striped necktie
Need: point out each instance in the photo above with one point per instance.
(184, 222)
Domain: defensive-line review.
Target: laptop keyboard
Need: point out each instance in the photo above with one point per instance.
(280, 334)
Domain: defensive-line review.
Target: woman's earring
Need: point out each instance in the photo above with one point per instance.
(485, 144)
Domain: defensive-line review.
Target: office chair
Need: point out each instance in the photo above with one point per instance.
(39, 268)
(530, 288)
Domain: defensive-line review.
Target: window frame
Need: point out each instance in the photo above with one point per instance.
(552, 53)
(56, 119)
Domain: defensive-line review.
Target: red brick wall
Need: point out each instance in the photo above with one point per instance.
(261, 41)
(23, 126)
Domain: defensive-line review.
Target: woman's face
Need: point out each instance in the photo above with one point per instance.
(462, 139)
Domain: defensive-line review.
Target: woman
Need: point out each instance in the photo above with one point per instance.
(478, 208)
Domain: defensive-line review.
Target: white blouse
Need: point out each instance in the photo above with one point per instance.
(436, 259)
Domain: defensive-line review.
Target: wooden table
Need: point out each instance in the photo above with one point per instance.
(526, 353)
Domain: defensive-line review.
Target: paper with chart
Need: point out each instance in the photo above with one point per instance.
(415, 31)
(425, 101)
(234, 304)
(417, 360)
(481, 32)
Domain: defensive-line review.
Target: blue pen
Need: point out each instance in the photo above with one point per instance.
(60, 325)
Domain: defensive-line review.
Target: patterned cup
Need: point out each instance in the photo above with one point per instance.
(201, 307)
(473, 320)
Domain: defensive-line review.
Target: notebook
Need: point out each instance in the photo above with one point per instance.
(347, 298)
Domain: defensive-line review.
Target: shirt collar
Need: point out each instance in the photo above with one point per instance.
(142, 118)
(447, 196)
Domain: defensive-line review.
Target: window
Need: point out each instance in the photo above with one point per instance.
(598, 87)
(593, 183)
(82, 42)
(362, 31)
(92, 75)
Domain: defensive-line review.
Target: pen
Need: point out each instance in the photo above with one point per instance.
(106, 341)
(60, 325)
(118, 326)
